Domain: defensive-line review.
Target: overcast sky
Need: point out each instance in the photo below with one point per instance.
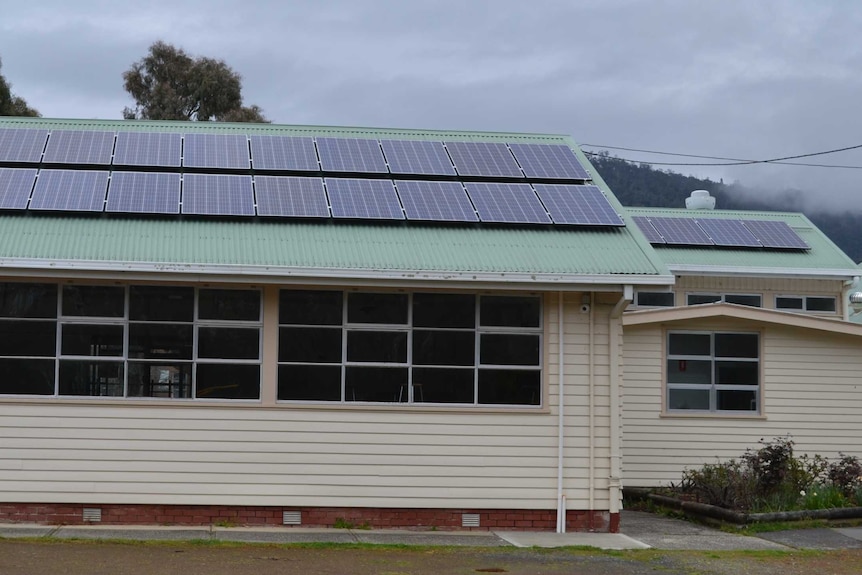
(743, 79)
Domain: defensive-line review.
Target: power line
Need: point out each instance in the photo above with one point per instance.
(730, 161)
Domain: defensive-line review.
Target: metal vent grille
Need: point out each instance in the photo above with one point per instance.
(92, 514)
(292, 518)
(470, 520)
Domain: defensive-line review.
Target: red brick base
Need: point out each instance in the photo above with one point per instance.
(377, 517)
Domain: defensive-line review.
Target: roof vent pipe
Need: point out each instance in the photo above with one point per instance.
(700, 200)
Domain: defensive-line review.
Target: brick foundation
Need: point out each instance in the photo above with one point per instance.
(377, 518)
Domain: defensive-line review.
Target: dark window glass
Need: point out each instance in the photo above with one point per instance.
(689, 371)
(161, 303)
(442, 385)
(88, 339)
(28, 338)
(510, 311)
(510, 387)
(28, 300)
(382, 384)
(749, 300)
(299, 307)
(688, 399)
(737, 400)
(820, 303)
(736, 345)
(27, 376)
(91, 378)
(309, 344)
(444, 347)
(444, 310)
(94, 301)
(788, 302)
(689, 344)
(736, 372)
(229, 304)
(172, 380)
(386, 308)
(229, 343)
(377, 346)
(309, 382)
(696, 299)
(228, 381)
(160, 341)
(509, 349)
(655, 299)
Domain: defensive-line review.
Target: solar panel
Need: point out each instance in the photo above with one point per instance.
(70, 190)
(366, 199)
(215, 151)
(417, 157)
(775, 234)
(286, 196)
(15, 187)
(144, 193)
(211, 194)
(728, 233)
(648, 230)
(436, 201)
(579, 205)
(483, 159)
(549, 161)
(18, 145)
(351, 155)
(148, 149)
(283, 153)
(512, 203)
(79, 147)
(681, 231)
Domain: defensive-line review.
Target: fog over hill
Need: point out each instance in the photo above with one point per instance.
(641, 185)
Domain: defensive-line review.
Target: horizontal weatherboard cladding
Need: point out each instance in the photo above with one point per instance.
(311, 245)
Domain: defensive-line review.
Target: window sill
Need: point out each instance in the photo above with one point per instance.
(712, 415)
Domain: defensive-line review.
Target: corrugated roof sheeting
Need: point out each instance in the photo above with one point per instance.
(322, 245)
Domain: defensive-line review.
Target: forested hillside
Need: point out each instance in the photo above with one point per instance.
(642, 185)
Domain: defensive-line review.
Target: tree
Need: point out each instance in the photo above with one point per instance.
(12, 105)
(168, 84)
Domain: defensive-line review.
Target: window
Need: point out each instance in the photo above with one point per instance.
(135, 341)
(713, 372)
(654, 299)
(806, 303)
(753, 300)
(419, 348)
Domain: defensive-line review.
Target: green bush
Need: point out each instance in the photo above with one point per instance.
(823, 496)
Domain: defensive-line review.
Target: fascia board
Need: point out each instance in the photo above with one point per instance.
(836, 274)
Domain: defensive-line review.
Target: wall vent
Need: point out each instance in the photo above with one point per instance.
(92, 514)
(470, 520)
(291, 518)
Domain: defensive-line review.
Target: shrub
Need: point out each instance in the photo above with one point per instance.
(730, 485)
(846, 475)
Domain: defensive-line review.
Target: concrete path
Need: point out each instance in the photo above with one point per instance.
(639, 531)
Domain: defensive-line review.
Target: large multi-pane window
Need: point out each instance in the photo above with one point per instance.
(409, 348)
(713, 372)
(130, 341)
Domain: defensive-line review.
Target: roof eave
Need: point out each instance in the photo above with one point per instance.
(835, 274)
(139, 271)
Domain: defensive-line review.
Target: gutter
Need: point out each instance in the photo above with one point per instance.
(823, 273)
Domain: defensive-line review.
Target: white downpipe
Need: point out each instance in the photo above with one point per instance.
(561, 498)
(592, 410)
(615, 480)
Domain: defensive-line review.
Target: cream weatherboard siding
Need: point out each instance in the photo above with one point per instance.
(239, 453)
(811, 390)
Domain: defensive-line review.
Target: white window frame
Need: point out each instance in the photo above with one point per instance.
(804, 300)
(722, 297)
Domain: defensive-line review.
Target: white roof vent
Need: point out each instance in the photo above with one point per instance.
(700, 200)
(856, 298)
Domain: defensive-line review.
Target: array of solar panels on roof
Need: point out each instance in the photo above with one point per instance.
(161, 173)
(730, 233)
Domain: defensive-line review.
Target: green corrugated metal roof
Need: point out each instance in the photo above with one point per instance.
(559, 254)
(318, 247)
(823, 255)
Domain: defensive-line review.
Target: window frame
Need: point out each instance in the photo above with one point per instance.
(804, 300)
(721, 297)
(638, 303)
(713, 387)
(410, 398)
